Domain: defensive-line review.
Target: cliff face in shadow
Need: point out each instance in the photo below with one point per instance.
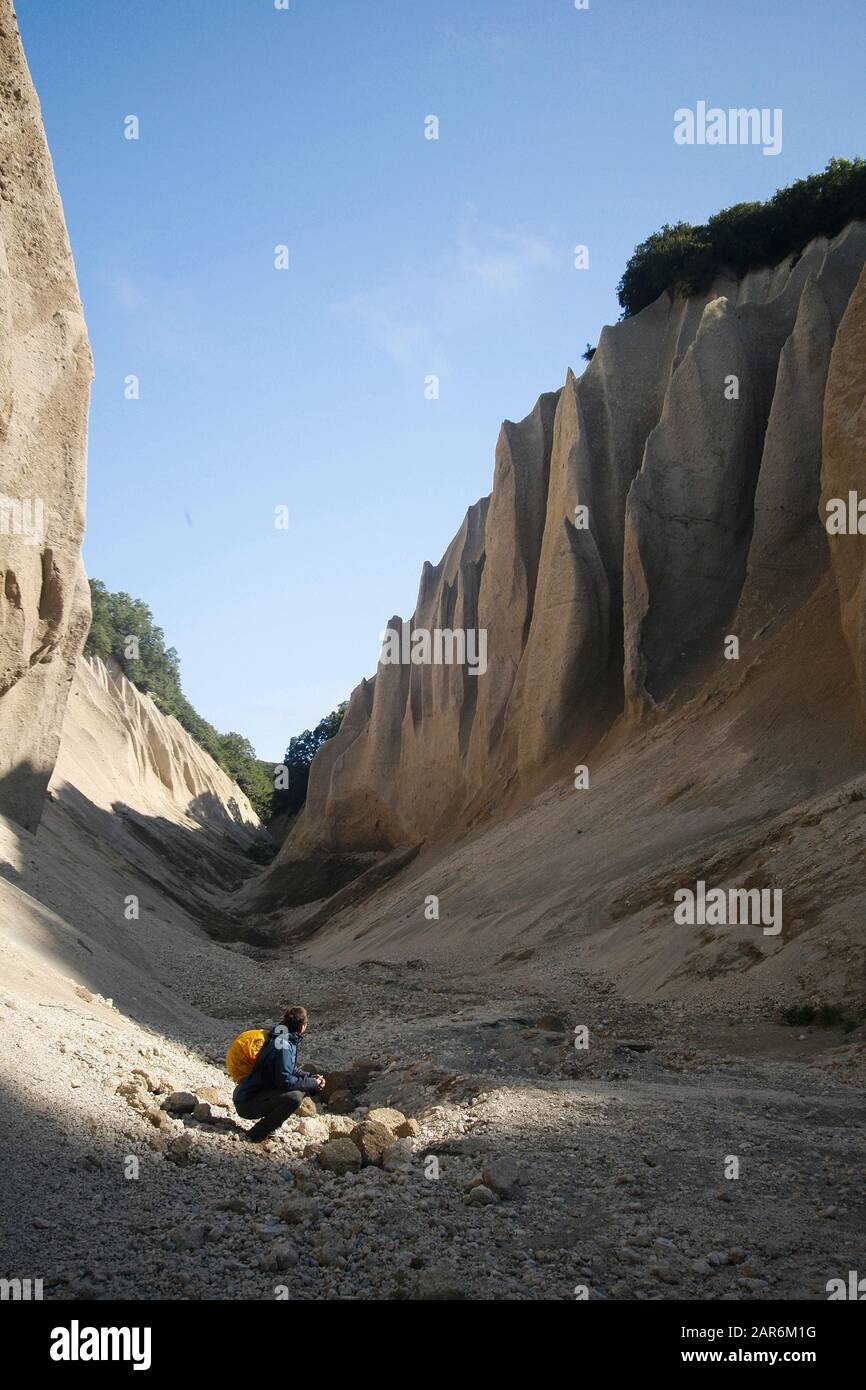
(45, 374)
(664, 500)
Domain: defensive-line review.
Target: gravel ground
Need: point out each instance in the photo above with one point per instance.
(620, 1149)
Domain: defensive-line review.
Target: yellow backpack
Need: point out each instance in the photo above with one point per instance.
(242, 1054)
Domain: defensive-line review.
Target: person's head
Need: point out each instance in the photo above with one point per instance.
(295, 1019)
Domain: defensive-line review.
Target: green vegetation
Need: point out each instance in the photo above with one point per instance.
(684, 258)
(821, 1016)
(123, 628)
(299, 756)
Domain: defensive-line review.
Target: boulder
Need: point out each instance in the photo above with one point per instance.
(341, 1102)
(340, 1156)
(383, 1115)
(211, 1094)
(335, 1081)
(501, 1175)
(371, 1138)
(314, 1128)
(408, 1129)
(339, 1124)
(180, 1103)
(360, 1072)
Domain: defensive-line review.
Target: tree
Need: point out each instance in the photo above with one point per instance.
(299, 756)
(123, 628)
(685, 259)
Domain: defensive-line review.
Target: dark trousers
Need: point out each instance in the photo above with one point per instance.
(270, 1108)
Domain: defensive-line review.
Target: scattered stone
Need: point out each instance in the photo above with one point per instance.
(330, 1251)
(181, 1149)
(190, 1237)
(397, 1158)
(439, 1284)
(236, 1204)
(281, 1256)
(306, 1107)
(202, 1113)
(629, 1256)
(136, 1095)
(147, 1080)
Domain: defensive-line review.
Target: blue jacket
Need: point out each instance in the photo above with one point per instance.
(276, 1067)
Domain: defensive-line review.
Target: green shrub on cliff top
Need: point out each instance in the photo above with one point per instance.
(682, 258)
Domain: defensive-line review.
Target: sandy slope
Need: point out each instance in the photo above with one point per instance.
(747, 783)
(620, 1149)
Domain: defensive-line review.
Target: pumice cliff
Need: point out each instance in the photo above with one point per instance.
(45, 374)
(666, 498)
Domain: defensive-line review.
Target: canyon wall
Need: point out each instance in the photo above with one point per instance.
(45, 374)
(844, 471)
(141, 838)
(693, 440)
(119, 751)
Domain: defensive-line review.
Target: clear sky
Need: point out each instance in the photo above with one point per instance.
(304, 388)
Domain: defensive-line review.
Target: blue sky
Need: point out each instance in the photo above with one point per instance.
(408, 257)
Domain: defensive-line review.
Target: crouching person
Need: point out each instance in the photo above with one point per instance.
(272, 1085)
